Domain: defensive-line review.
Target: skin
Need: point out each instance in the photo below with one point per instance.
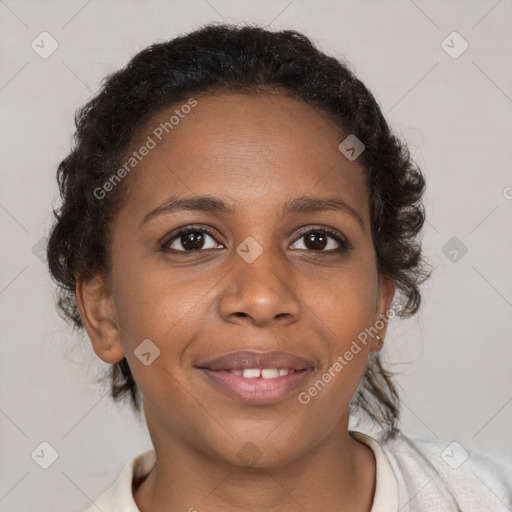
(256, 151)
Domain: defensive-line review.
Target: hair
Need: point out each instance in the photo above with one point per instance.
(222, 58)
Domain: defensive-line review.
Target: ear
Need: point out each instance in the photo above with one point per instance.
(99, 316)
(386, 292)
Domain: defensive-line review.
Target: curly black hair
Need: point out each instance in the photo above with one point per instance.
(223, 58)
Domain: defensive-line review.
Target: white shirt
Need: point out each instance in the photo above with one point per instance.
(412, 475)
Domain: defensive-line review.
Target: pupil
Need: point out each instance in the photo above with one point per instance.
(191, 239)
(194, 241)
(316, 240)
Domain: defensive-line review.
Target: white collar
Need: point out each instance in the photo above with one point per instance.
(385, 498)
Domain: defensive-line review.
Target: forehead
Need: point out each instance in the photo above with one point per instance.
(256, 151)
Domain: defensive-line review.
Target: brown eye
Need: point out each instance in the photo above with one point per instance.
(323, 240)
(190, 239)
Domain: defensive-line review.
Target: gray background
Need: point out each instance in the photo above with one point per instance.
(454, 358)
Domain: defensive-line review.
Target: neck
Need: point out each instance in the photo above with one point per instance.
(338, 474)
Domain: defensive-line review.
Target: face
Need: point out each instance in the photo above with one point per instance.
(270, 270)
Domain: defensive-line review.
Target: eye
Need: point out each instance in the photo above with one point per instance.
(324, 240)
(190, 239)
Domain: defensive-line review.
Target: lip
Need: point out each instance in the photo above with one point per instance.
(257, 390)
(253, 359)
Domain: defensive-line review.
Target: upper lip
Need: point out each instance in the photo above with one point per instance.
(252, 359)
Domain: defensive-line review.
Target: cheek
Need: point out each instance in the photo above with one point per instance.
(346, 301)
(345, 313)
(167, 306)
(344, 309)
(157, 302)
(153, 304)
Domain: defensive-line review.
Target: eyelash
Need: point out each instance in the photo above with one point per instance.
(344, 245)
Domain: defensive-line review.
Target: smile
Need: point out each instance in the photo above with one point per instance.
(264, 373)
(254, 386)
(257, 377)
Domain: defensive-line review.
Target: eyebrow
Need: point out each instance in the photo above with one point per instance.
(215, 205)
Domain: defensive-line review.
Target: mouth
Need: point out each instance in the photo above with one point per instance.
(257, 377)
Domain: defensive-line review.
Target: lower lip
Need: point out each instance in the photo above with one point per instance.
(258, 390)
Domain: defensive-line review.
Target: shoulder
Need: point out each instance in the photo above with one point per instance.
(434, 474)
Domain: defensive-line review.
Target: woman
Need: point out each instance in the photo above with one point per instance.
(238, 226)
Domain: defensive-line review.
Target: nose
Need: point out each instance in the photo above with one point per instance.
(260, 292)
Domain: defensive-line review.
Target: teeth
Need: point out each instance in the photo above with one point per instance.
(265, 373)
(270, 373)
(252, 373)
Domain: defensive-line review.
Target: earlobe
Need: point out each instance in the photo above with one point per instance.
(97, 308)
